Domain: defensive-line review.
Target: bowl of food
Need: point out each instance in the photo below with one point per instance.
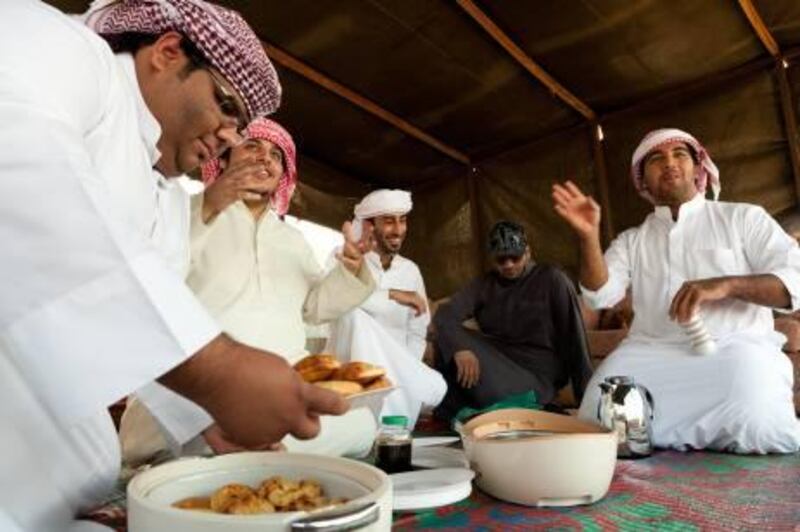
(538, 458)
(260, 491)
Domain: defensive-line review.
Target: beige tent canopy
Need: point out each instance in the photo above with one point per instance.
(477, 106)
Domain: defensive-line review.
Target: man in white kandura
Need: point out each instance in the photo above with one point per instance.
(258, 278)
(389, 329)
(728, 263)
(89, 309)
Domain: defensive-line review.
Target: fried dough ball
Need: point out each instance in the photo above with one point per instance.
(251, 505)
(361, 372)
(315, 368)
(283, 498)
(277, 483)
(290, 495)
(311, 489)
(268, 486)
(227, 496)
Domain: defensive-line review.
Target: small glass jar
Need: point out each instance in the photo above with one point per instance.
(393, 445)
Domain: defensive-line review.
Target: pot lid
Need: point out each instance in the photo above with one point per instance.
(430, 488)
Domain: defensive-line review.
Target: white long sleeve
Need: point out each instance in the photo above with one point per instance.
(617, 259)
(87, 302)
(418, 325)
(334, 293)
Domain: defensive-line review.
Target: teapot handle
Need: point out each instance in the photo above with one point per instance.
(649, 397)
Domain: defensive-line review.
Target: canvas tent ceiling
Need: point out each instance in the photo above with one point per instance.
(695, 64)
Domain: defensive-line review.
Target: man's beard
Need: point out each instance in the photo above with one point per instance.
(386, 248)
(678, 193)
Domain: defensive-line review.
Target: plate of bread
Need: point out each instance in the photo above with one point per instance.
(363, 384)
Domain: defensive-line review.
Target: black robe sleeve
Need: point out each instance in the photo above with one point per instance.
(570, 336)
(451, 336)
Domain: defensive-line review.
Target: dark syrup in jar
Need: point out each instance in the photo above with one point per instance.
(393, 457)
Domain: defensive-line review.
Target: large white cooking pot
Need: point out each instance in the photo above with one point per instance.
(539, 458)
(151, 494)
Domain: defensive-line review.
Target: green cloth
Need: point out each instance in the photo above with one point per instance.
(520, 400)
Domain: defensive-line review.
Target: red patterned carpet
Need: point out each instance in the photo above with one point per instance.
(669, 491)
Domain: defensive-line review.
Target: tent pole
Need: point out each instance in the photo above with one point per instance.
(790, 123)
(561, 92)
(601, 174)
(759, 27)
(475, 218)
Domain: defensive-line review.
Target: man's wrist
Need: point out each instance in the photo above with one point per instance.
(198, 378)
(357, 268)
(731, 286)
(208, 211)
(590, 240)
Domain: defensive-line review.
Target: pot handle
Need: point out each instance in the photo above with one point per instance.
(339, 521)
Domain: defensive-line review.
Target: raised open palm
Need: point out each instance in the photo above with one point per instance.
(579, 210)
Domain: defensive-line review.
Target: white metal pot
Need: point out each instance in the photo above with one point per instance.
(151, 494)
(540, 459)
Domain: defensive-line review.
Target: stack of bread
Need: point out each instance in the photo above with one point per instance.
(347, 379)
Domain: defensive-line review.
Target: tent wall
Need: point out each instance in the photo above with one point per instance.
(324, 195)
(440, 238)
(517, 186)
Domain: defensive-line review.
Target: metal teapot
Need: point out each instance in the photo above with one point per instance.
(627, 408)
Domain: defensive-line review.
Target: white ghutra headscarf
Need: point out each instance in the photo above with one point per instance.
(380, 203)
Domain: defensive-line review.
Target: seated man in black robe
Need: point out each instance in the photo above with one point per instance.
(531, 331)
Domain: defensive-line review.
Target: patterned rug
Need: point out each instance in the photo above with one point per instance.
(669, 491)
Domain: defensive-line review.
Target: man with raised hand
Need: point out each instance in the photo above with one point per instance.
(389, 329)
(728, 264)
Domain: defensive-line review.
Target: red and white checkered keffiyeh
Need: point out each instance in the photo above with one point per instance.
(222, 35)
(706, 172)
(266, 129)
